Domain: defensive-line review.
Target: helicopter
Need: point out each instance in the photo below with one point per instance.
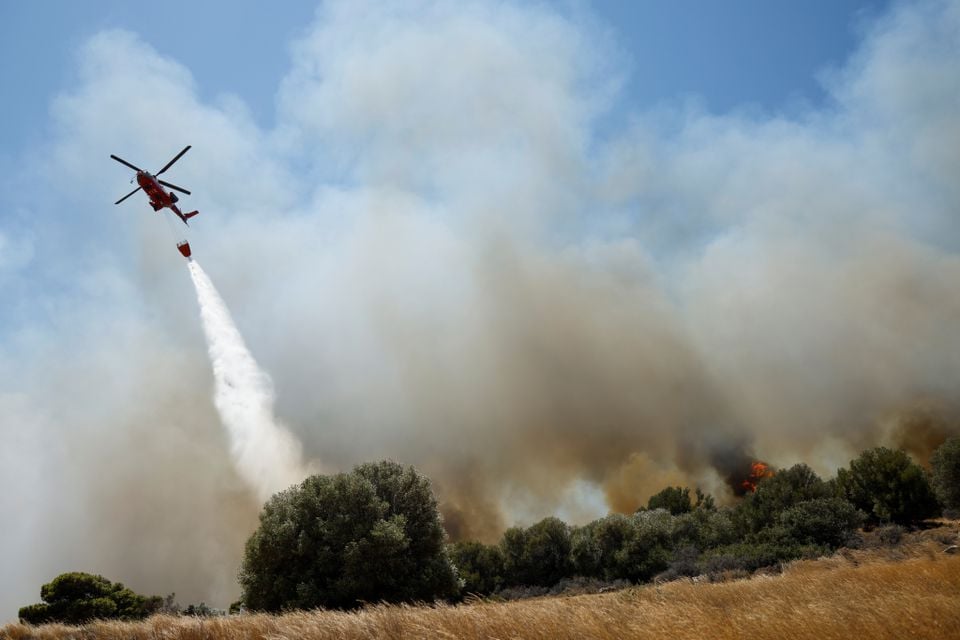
(153, 187)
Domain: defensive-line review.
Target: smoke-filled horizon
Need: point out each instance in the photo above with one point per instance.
(448, 251)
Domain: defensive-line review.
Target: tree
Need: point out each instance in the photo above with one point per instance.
(945, 474)
(513, 544)
(548, 551)
(648, 548)
(704, 501)
(887, 486)
(539, 555)
(612, 535)
(370, 535)
(676, 500)
(77, 597)
(480, 566)
(776, 494)
(705, 528)
(584, 550)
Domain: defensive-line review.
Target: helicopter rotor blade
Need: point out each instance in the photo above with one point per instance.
(177, 157)
(122, 161)
(173, 186)
(127, 196)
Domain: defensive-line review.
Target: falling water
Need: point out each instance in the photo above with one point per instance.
(266, 454)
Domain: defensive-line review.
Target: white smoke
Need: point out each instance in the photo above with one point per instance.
(267, 456)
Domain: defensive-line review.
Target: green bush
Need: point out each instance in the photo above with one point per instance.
(648, 549)
(704, 501)
(202, 610)
(945, 474)
(676, 500)
(539, 555)
(774, 495)
(750, 556)
(685, 564)
(479, 566)
(705, 528)
(829, 522)
(77, 597)
(513, 545)
(887, 486)
(594, 547)
(370, 535)
(637, 547)
(585, 552)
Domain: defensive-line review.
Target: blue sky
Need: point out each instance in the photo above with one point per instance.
(729, 55)
(556, 255)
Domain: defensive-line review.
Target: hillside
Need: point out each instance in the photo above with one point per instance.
(911, 590)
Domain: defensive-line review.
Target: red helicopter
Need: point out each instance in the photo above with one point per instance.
(160, 197)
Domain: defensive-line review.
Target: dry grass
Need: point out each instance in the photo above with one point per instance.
(907, 592)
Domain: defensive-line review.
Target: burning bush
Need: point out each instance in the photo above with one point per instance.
(758, 471)
(775, 494)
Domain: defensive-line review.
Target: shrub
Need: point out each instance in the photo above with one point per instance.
(585, 552)
(370, 535)
(522, 592)
(648, 549)
(945, 474)
(685, 564)
(750, 556)
(540, 555)
(887, 486)
(479, 566)
(513, 544)
(548, 551)
(705, 528)
(828, 522)
(776, 494)
(891, 534)
(77, 597)
(704, 501)
(202, 610)
(676, 500)
(595, 547)
(579, 585)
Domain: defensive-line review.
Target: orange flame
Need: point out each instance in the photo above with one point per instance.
(758, 471)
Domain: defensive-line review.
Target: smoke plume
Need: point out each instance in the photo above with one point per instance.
(266, 454)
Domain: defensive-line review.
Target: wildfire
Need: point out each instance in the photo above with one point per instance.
(758, 471)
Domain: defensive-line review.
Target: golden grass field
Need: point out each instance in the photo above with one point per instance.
(905, 592)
